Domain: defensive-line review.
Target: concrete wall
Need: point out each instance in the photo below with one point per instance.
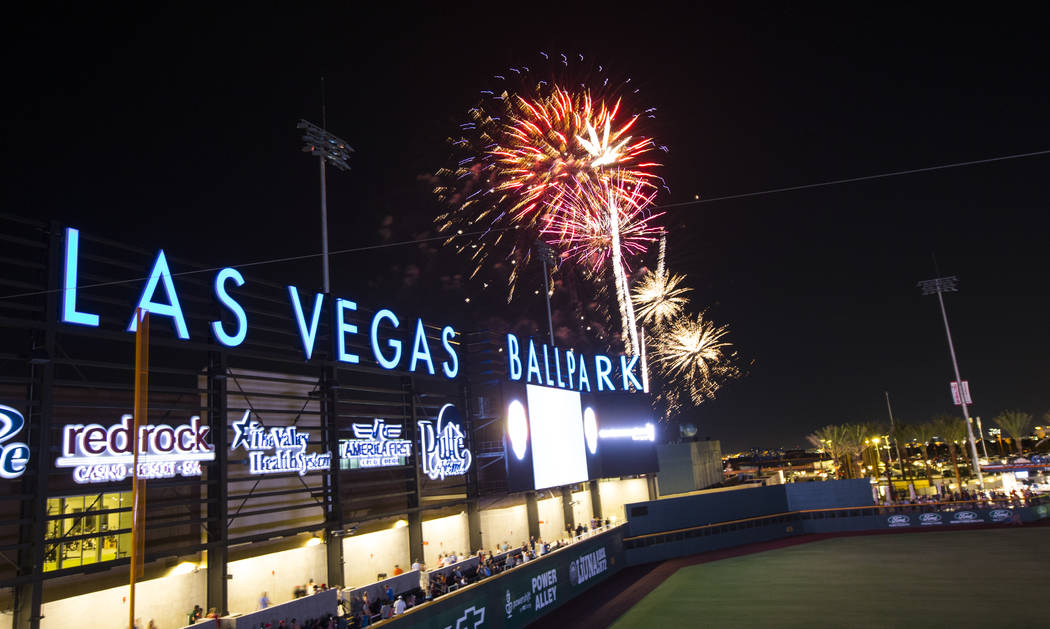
(276, 574)
(581, 509)
(167, 600)
(552, 519)
(617, 493)
(444, 536)
(675, 513)
(689, 466)
(829, 494)
(365, 556)
(509, 524)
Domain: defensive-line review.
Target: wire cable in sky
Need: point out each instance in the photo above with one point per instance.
(416, 241)
(853, 179)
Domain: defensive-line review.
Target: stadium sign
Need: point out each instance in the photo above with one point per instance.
(966, 517)
(288, 445)
(898, 520)
(567, 369)
(927, 519)
(545, 589)
(376, 445)
(388, 340)
(585, 567)
(1000, 515)
(14, 456)
(100, 454)
(443, 447)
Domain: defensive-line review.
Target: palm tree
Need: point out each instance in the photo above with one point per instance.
(854, 436)
(830, 439)
(951, 429)
(923, 433)
(1016, 424)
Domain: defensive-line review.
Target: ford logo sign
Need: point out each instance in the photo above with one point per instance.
(999, 515)
(899, 520)
(930, 517)
(965, 515)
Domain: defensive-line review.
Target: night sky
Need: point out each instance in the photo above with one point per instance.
(170, 128)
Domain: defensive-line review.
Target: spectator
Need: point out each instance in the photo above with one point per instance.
(212, 613)
(195, 615)
(416, 565)
(389, 592)
(264, 601)
(398, 571)
(399, 606)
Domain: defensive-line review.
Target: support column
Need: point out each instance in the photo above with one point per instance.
(415, 537)
(414, 483)
(532, 512)
(474, 526)
(596, 499)
(29, 593)
(654, 492)
(217, 487)
(566, 509)
(334, 515)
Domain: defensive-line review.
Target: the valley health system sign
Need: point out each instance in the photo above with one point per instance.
(389, 341)
(378, 444)
(276, 449)
(443, 445)
(101, 454)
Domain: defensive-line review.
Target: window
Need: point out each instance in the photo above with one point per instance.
(83, 530)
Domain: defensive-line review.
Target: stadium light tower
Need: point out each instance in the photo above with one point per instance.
(330, 149)
(942, 285)
(547, 256)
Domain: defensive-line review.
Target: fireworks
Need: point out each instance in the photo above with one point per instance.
(594, 214)
(693, 356)
(531, 150)
(658, 298)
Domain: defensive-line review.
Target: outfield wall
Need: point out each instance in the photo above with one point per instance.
(698, 524)
(523, 594)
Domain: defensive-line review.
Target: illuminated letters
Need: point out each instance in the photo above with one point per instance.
(289, 446)
(627, 371)
(307, 335)
(395, 344)
(14, 456)
(534, 364)
(585, 381)
(235, 308)
(442, 445)
(447, 334)
(420, 349)
(570, 364)
(171, 309)
(99, 454)
(513, 360)
(69, 284)
(603, 367)
(342, 328)
(547, 367)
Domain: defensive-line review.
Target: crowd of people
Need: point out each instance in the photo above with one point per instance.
(964, 498)
(362, 610)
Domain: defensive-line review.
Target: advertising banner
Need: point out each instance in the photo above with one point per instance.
(949, 518)
(527, 593)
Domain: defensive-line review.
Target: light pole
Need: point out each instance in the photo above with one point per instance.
(546, 254)
(330, 149)
(941, 285)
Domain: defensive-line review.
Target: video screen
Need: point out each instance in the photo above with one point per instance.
(556, 429)
(627, 432)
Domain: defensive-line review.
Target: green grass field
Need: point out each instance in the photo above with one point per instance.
(984, 578)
